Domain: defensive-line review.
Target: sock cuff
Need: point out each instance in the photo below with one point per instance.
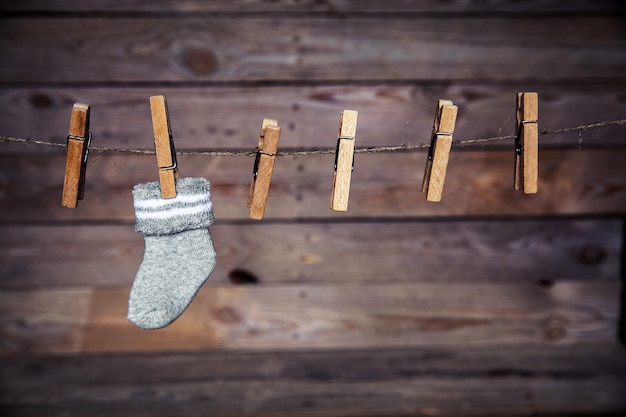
(190, 209)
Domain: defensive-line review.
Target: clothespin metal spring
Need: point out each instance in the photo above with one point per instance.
(433, 145)
(174, 165)
(257, 160)
(88, 138)
(339, 139)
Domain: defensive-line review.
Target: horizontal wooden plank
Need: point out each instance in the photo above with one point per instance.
(448, 382)
(530, 252)
(229, 49)
(51, 372)
(230, 117)
(383, 185)
(71, 320)
(308, 6)
(428, 396)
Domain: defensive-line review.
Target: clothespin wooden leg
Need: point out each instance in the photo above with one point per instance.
(266, 122)
(344, 160)
(164, 144)
(78, 142)
(527, 143)
(439, 151)
(263, 168)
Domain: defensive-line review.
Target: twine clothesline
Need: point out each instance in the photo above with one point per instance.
(362, 149)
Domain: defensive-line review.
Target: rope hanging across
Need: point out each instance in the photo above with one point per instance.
(366, 149)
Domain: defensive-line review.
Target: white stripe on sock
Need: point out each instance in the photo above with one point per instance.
(176, 211)
(164, 202)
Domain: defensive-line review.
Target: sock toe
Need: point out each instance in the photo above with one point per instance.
(149, 319)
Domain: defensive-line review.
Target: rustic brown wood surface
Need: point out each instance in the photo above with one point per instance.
(83, 319)
(385, 185)
(489, 303)
(307, 6)
(229, 117)
(310, 253)
(444, 381)
(184, 49)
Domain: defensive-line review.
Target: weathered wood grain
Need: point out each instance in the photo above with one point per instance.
(347, 366)
(72, 320)
(312, 253)
(392, 308)
(512, 381)
(229, 117)
(308, 6)
(228, 49)
(383, 185)
(600, 396)
(55, 316)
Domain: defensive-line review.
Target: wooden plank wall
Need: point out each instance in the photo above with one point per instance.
(488, 303)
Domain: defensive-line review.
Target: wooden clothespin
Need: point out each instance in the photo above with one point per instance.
(263, 168)
(439, 151)
(344, 160)
(527, 143)
(164, 144)
(78, 142)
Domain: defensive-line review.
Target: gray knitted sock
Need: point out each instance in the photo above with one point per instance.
(179, 254)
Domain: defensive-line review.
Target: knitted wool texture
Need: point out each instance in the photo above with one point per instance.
(179, 254)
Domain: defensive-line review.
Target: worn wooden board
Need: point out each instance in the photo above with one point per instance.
(281, 49)
(383, 185)
(83, 319)
(397, 307)
(229, 117)
(448, 382)
(507, 363)
(308, 6)
(313, 253)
